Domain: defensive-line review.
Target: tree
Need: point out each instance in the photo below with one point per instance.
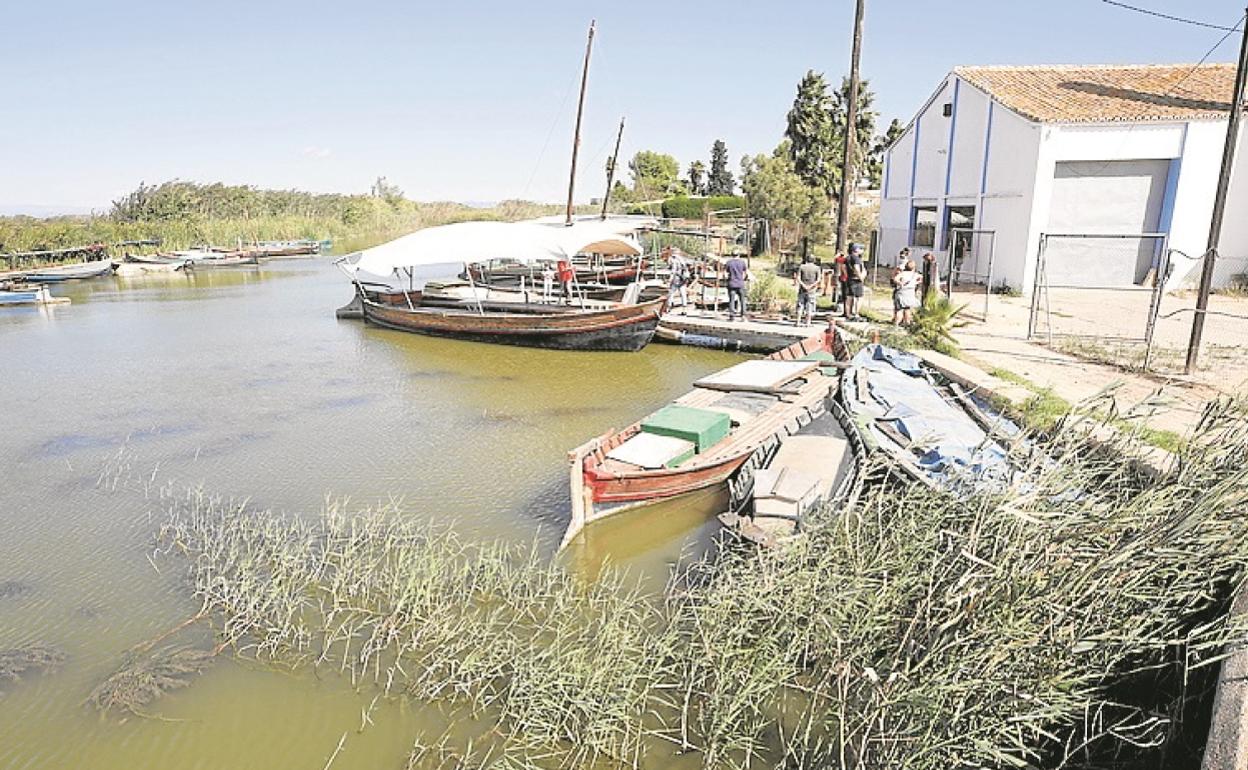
(811, 134)
(654, 174)
(388, 192)
(720, 181)
(864, 121)
(697, 174)
(875, 163)
(776, 192)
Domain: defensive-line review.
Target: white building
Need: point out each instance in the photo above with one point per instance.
(1027, 151)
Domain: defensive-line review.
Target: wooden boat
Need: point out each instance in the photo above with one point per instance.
(153, 259)
(603, 484)
(69, 272)
(210, 263)
(609, 326)
(928, 430)
(25, 294)
(817, 468)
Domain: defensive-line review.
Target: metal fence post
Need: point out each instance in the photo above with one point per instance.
(1035, 289)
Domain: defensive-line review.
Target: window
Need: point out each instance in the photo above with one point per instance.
(923, 227)
(958, 218)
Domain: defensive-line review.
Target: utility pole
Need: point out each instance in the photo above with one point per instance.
(851, 119)
(1219, 204)
(580, 109)
(615, 158)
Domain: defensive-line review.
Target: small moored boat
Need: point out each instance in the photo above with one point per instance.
(930, 431)
(69, 272)
(27, 294)
(706, 436)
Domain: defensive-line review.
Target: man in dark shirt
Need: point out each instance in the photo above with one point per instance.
(738, 272)
(856, 273)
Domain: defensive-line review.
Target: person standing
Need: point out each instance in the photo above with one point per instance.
(807, 281)
(855, 275)
(678, 287)
(566, 274)
(905, 293)
(931, 283)
(738, 275)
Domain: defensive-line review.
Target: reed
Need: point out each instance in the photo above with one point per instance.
(19, 661)
(144, 677)
(918, 629)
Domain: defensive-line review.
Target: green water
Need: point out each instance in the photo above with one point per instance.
(244, 382)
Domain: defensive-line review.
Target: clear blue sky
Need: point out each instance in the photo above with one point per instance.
(456, 100)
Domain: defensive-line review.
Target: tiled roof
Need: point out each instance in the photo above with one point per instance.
(1109, 94)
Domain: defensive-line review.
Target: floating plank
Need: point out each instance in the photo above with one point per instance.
(757, 376)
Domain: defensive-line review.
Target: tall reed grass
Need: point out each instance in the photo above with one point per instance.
(917, 630)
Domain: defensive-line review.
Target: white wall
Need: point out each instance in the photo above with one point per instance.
(1193, 210)
(1002, 195)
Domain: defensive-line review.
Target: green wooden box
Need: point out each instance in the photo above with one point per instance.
(703, 427)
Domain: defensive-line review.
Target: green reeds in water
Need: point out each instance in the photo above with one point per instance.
(918, 629)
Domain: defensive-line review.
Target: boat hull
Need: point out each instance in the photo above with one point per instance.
(70, 272)
(627, 328)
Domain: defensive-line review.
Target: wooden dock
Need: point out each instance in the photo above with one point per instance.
(714, 330)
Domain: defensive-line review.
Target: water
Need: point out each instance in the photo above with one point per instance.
(244, 382)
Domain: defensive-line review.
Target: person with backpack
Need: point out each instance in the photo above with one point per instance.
(678, 285)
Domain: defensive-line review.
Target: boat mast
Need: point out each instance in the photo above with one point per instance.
(580, 108)
(615, 158)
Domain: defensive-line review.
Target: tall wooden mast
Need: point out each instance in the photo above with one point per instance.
(580, 109)
(615, 158)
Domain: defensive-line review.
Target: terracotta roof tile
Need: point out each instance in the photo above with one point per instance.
(1109, 94)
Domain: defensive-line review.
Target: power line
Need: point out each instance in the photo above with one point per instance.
(1169, 17)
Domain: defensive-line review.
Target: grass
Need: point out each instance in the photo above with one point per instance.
(916, 629)
(1045, 409)
(144, 677)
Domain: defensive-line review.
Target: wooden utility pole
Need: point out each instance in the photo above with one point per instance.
(1219, 204)
(851, 119)
(580, 109)
(615, 158)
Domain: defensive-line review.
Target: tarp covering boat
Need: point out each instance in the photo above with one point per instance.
(943, 442)
(469, 242)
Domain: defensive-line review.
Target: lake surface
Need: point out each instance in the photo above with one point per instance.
(243, 381)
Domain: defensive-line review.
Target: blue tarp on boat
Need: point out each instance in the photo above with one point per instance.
(952, 447)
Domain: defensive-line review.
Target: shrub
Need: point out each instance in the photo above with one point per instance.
(682, 207)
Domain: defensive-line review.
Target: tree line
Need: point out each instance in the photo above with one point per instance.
(796, 184)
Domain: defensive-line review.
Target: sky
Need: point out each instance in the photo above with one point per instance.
(474, 100)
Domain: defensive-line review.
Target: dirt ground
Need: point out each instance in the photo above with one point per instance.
(1111, 326)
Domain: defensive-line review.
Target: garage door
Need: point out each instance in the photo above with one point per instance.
(1105, 197)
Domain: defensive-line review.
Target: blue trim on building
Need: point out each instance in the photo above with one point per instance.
(953, 129)
(887, 167)
(914, 158)
(983, 181)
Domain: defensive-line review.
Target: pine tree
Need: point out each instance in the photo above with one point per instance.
(812, 136)
(720, 181)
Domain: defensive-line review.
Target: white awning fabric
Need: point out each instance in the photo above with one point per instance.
(469, 242)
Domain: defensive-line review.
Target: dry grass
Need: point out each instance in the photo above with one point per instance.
(19, 661)
(144, 677)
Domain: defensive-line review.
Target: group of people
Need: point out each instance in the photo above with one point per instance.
(846, 278)
(844, 281)
(738, 273)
